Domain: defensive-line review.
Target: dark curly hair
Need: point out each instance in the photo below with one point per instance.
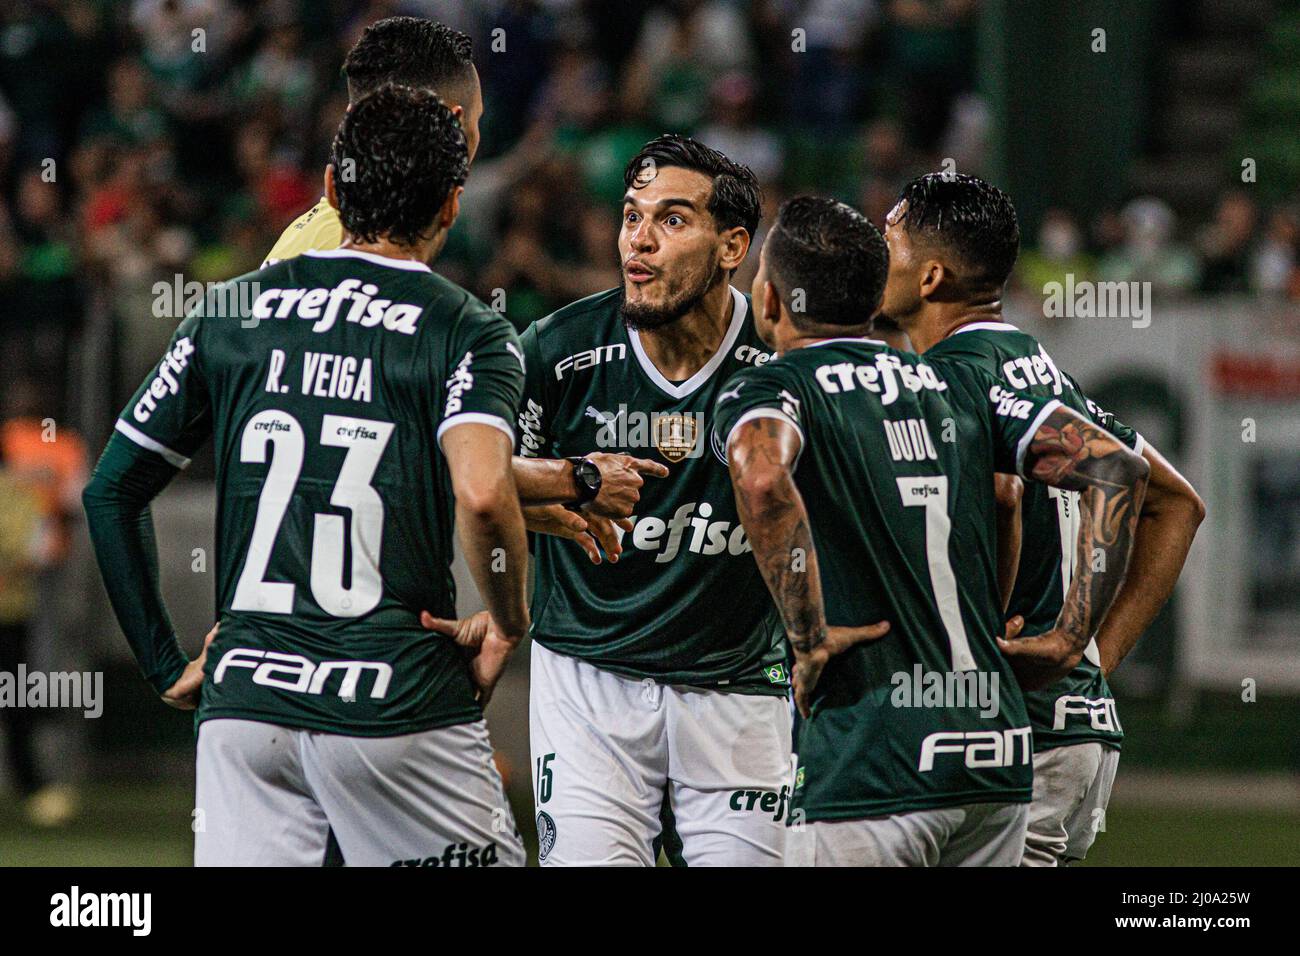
(735, 199)
(411, 51)
(397, 156)
(969, 218)
(834, 255)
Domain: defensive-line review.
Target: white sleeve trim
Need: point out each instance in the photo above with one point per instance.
(776, 413)
(175, 459)
(1140, 445)
(476, 418)
(1028, 436)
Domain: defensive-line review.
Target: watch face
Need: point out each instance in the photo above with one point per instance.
(589, 475)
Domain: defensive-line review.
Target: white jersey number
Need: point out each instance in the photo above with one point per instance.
(365, 441)
(932, 494)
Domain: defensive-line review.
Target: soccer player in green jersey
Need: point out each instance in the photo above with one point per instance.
(659, 679)
(953, 241)
(915, 748)
(360, 406)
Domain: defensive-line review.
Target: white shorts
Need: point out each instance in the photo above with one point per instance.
(977, 834)
(1071, 790)
(609, 752)
(268, 796)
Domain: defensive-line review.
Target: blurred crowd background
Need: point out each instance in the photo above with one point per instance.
(146, 140)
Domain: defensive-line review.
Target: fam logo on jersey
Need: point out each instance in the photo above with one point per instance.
(545, 834)
(979, 749)
(456, 854)
(295, 673)
(675, 435)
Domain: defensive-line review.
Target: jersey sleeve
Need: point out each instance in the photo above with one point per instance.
(763, 391)
(485, 381)
(1014, 417)
(170, 414)
(1129, 436)
(536, 409)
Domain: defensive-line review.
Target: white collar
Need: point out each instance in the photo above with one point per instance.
(986, 327)
(739, 313)
(858, 340)
(409, 264)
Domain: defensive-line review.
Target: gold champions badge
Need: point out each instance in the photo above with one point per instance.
(675, 435)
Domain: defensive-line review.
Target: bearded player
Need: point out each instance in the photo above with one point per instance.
(659, 685)
(952, 243)
(361, 408)
(864, 479)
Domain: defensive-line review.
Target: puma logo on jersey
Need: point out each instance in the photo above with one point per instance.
(293, 672)
(167, 381)
(909, 440)
(323, 307)
(590, 359)
(886, 377)
(1030, 370)
(980, 749)
(696, 531)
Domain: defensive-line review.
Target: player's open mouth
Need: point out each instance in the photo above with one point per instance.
(638, 273)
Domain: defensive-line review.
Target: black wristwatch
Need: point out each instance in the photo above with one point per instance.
(587, 477)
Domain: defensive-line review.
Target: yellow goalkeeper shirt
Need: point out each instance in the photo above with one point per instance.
(317, 228)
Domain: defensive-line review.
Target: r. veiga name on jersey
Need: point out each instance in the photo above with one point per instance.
(167, 381)
(886, 376)
(706, 537)
(322, 306)
(618, 351)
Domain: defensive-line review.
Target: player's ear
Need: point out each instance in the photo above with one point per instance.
(771, 303)
(450, 208)
(331, 195)
(933, 274)
(735, 244)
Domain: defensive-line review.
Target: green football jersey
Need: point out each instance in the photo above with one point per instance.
(1080, 707)
(326, 382)
(896, 471)
(685, 603)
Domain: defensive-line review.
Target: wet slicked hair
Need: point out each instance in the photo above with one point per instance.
(833, 255)
(735, 199)
(409, 51)
(967, 217)
(407, 154)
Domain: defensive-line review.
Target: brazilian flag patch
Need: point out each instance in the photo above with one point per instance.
(776, 674)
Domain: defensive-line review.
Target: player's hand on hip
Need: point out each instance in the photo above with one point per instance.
(621, 478)
(478, 633)
(808, 667)
(184, 694)
(1041, 660)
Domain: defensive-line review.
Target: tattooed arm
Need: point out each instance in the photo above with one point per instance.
(1068, 451)
(761, 453)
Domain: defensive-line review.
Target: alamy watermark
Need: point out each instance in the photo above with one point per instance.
(1085, 299)
(73, 690)
(946, 689)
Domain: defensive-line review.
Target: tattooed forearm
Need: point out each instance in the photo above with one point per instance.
(1070, 452)
(776, 525)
